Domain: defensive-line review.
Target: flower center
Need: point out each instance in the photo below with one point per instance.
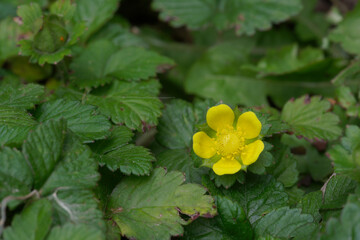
(229, 142)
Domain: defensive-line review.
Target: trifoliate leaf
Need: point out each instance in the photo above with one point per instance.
(346, 155)
(94, 13)
(309, 117)
(344, 33)
(336, 191)
(100, 64)
(14, 125)
(246, 16)
(15, 174)
(181, 160)
(286, 223)
(42, 149)
(231, 223)
(9, 33)
(32, 224)
(24, 97)
(176, 126)
(346, 227)
(151, 209)
(82, 119)
(78, 232)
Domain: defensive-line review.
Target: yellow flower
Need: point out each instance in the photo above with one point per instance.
(235, 146)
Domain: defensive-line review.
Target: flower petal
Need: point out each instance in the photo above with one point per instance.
(203, 145)
(226, 166)
(251, 152)
(220, 116)
(249, 124)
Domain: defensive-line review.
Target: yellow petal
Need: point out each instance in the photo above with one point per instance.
(203, 145)
(251, 152)
(226, 166)
(220, 116)
(249, 124)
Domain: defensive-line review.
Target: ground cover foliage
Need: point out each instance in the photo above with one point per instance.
(100, 99)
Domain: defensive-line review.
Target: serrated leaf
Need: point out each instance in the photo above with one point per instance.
(231, 223)
(15, 125)
(285, 223)
(309, 117)
(247, 16)
(100, 64)
(32, 224)
(116, 153)
(346, 155)
(64, 9)
(311, 204)
(78, 232)
(152, 201)
(285, 169)
(82, 119)
(24, 97)
(31, 17)
(181, 160)
(347, 226)
(133, 103)
(176, 126)
(95, 13)
(345, 33)
(43, 148)
(15, 175)
(130, 159)
(336, 190)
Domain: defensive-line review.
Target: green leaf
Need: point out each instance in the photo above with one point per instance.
(15, 125)
(32, 224)
(311, 204)
(130, 159)
(150, 210)
(344, 33)
(95, 13)
(286, 223)
(43, 148)
(116, 153)
(347, 75)
(309, 117)
(24, 97)
(217, 75)
(288, 59)
(346, 155)
(9, 33)
(176, 126)
(284, 169)
(181, 160)
(231, 223)
(247, 16)
(78, 232)
(336, 191)
(99, 64)
(82, 119)
(265, 160)
(347, 227)
(31, 17)
(64, 9)
(15, 174)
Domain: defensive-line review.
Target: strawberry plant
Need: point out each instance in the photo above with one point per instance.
(179, 119)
